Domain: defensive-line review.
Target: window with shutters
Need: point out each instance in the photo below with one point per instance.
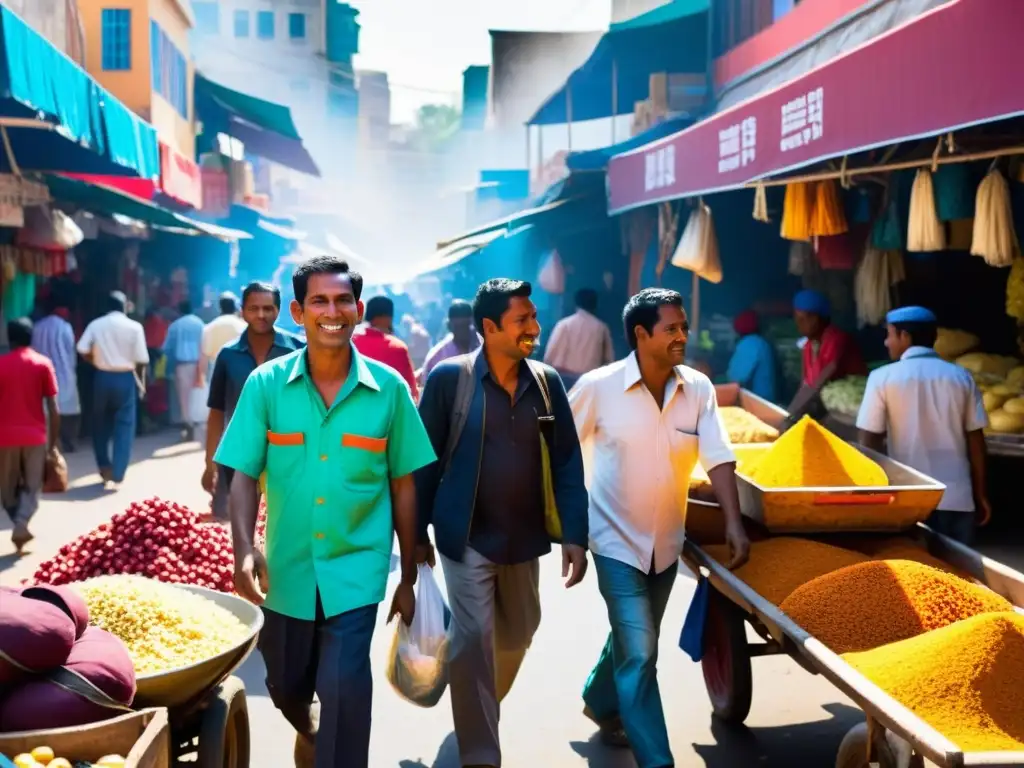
(297, 26)
(265, 25)
(241, 24)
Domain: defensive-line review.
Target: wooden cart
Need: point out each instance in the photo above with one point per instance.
(728, 672)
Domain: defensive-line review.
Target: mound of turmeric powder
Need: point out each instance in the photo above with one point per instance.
(868, 605)
(917, 553)
(779, 565)
(965, 680)
(809, 456)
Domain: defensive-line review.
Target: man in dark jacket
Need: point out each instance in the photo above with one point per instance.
(487, 414)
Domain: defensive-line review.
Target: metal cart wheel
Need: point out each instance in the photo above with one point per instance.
(853, 751)
(224, 730)
(726, 660)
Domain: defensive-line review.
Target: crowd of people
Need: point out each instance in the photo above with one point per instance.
(472, 454)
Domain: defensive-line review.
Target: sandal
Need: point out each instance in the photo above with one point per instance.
(613, 734)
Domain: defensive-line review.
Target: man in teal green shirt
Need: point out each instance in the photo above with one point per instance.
(339, 438)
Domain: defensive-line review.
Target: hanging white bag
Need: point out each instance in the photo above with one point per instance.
(418, 661)
(552, 275)
(698, 247)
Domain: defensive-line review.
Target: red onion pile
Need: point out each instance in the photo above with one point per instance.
(154, 538)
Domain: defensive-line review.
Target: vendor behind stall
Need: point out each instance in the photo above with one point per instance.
(932, 414)
(753, 365)
(829, 353)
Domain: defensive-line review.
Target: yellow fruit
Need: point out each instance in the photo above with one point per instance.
(1016, 405)
(25, 760)
(59, 762)
(1002, 422)
(110, 761)
(993, 400)
(42, 755)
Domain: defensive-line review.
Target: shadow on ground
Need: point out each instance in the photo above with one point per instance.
(813, 745)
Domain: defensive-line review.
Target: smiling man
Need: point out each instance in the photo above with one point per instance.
(487, 413)
(339, 438)
(649, 419)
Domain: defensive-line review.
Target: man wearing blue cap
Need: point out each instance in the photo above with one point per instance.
(932, 414)
(830, 352)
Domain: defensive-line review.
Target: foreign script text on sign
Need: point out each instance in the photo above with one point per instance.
(803, 120)
(660, 168)
(737, 145)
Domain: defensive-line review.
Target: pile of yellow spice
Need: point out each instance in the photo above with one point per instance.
(810, 456)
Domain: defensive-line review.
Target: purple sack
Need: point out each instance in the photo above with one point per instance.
(34, 637)
(97, 683)
(65, 598)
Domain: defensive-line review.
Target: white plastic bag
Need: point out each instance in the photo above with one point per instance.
(698, 247)
(197, 404)
(418, 662)
(552, 275)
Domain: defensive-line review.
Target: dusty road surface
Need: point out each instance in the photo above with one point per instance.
(796, 719)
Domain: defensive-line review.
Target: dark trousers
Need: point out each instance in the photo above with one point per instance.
(331, 659)
(69, 425)
(114, 397)
(954, 524)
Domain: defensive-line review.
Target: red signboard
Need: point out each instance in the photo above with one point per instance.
(143, 188)
(947, 69)
(180, 177)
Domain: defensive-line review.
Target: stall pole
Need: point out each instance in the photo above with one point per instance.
(529, 158)
(695, 306)
(568, 111)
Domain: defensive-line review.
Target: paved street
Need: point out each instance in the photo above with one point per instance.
(796, 718)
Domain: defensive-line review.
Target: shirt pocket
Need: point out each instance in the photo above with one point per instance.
(285, 453)
(364, 459)
(684, 453)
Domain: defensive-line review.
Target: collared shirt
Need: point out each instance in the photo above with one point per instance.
(508, 518)
(234, 364)
(387, 349)
(117, 343)
(926, 406)
(220, 332)
(53, 337)
(641, 458)
(184, 339)
(753, 366)
(329, 526)
(446, 349)
(579, 343)
(26, 380)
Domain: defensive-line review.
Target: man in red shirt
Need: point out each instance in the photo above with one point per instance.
(377, 340)
(28, 384)
(829, 352)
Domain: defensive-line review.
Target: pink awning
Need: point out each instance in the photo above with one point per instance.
(948, 69)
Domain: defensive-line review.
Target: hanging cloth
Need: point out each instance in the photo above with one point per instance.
(552, 274)
(828, 217)
(953, 192)
(637, 229)
(797, 210)
(995, 239)
(925, 232)
(887, 234)
(761, 204)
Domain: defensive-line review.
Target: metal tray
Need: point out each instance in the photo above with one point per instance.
(733, 395)
(1005, 445)
(909, 499)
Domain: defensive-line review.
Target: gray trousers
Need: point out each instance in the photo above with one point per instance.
(21, 481)
(318, 676)
(495, 613)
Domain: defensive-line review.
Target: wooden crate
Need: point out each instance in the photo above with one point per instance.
(143, 737)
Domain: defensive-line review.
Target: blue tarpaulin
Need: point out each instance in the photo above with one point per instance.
(597, 159)
(79, 126)
(671, 38)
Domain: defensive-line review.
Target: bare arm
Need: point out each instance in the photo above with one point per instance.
(978, 459)
(403, 515)
(723, 482)
(872, 440)
(214, 432)
(245, 505)
(53, 423)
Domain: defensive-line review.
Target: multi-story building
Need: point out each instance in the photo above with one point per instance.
(374, 109)
(57, 21)
(139, 51)
(293, 52)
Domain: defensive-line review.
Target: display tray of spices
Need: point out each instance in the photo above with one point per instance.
(811, 481)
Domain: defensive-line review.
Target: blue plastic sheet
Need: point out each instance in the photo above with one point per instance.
(691, 639)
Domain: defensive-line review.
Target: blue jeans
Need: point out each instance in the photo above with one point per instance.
(114, 398)
(624, 683)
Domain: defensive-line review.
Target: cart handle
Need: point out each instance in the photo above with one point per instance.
(853, 499)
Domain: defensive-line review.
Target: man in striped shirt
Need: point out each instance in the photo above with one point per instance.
(54, 338)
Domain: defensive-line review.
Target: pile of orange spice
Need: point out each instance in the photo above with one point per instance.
(965, 680)
(868, 605)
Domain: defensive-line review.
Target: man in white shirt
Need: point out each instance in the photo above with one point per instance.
(580, 342)
(931, 414)
(646, 421)
(218, 333)
(116, 346)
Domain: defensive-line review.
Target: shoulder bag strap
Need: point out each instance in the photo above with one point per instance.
(542, 382)
(460, 409)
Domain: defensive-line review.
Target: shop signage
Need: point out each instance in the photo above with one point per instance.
(660, 168)
(180, 177)
(946, 69)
